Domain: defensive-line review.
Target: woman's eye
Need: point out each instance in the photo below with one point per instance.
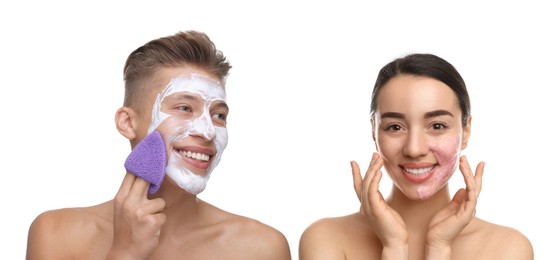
(393, 128)
(439, 126)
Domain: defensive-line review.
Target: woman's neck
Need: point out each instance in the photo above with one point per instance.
(418, 213)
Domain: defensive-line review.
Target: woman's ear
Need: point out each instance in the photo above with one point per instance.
(466, 133)
(373, 127)
(125, 120)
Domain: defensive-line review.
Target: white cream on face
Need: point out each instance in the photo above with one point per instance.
(209, 90)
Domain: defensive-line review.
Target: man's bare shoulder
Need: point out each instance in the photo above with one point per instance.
(61, 232)
(496, 241)
(250, 237)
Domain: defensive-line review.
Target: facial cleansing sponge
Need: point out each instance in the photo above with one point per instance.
(148, 160)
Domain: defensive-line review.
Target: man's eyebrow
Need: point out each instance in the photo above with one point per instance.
(393, 115)
(222, 104)
(437, 113)
(184, 96)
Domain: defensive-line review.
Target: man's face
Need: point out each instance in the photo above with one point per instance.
(190, 112)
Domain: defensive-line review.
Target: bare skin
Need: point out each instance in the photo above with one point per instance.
(353, 236)
(418, 132)
(170, 224)
(193, 229)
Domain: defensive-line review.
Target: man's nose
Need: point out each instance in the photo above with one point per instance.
(203, 126)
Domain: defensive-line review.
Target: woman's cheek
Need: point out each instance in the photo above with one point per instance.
(447, 155)
(447, 151)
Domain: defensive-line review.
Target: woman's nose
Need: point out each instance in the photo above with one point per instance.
(416, 144)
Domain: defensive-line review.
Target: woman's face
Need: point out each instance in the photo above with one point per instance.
(418, 132)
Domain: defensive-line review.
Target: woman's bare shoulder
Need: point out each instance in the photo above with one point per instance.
(335, 225)
(498, 241)
(337, 238)
(497, 231)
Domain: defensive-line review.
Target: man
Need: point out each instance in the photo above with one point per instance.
(174, 91)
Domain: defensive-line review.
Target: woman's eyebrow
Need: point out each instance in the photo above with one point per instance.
(430, 114)
(393, 115)
(437, 113)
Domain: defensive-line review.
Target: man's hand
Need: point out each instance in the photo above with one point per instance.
(137, 220)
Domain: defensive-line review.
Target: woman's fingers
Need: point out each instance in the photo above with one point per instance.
(478, 177)
(473, 187)
(374, 193)
(367, 189)
(357, 176)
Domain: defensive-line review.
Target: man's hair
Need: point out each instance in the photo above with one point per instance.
(183, 48)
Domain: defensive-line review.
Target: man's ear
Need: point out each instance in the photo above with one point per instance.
(466, 133)
(125, 120)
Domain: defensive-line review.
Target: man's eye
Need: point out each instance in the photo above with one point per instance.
(185, 108)
(220, 116)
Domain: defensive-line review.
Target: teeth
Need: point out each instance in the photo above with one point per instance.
(418, 171)
(197, 156)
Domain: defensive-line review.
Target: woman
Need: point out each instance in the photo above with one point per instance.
(420, 116)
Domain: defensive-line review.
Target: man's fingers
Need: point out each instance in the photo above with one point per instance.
(139, 188)
(155, 206)
(126, 185)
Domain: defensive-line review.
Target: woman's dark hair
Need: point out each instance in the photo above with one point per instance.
(427, 65)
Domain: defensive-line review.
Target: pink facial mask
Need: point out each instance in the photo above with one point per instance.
(447, 153)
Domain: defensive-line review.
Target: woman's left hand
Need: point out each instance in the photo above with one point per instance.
(451, 220)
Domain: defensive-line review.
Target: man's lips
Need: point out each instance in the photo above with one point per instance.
(198, 157)
(195, 152)
(194, 155)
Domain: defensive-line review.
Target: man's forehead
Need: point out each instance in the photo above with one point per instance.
(195, 84)
(187, 96)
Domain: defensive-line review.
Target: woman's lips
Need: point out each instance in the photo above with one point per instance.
(418, 174)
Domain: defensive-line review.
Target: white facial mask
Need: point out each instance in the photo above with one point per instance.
(209, 90)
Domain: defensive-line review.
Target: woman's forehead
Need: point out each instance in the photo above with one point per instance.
(413, 93)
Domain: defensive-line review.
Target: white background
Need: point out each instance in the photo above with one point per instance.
(299, 97)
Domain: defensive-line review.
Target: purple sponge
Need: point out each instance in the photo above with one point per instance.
(148, 159)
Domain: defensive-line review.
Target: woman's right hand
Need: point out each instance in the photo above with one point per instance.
(386, 222)
(137, 220)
